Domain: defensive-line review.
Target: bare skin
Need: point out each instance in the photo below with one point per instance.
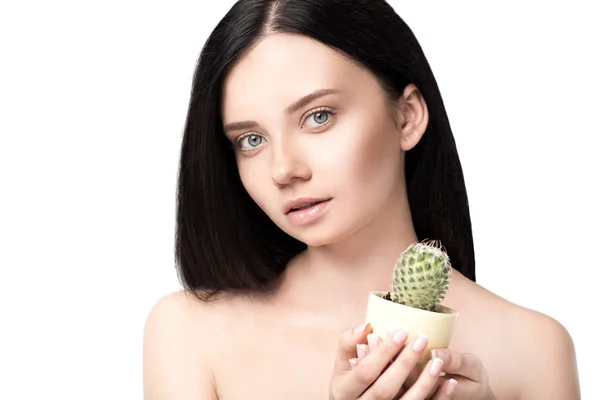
(284, 345)
(239, 349)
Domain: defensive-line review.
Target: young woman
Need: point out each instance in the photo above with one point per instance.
(316, 149)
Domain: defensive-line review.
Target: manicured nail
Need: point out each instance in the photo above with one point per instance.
(436, 367)
(439, 354)
(360, 329)
(450, 387)
(361, 351)
(420, 343)
(353, 362)
(400, 336)
(372, 340)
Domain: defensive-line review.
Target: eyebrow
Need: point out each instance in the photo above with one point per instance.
(298, 104)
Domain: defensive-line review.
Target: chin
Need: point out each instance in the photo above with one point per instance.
(322, 233)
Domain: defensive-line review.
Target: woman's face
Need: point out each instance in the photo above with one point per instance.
(338, 146)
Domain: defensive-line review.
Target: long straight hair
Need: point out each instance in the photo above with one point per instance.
(223, 241)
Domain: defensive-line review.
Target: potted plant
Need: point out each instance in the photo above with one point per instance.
(420, 280)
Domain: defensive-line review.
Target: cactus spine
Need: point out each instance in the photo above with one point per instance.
(421, 276)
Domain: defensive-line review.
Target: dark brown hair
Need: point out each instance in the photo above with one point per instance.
(223, 240)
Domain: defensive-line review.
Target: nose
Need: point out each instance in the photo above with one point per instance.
(288, 164)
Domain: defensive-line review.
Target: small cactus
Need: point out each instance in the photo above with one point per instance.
(421, 276)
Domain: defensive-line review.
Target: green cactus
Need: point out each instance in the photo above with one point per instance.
(421, 276)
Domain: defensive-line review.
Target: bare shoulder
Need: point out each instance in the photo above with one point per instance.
(176, 357)
(548, 356)
(538, 346)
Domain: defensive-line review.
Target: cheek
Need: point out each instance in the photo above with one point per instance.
(363, 156)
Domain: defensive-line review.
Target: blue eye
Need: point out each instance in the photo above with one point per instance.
(252, 140)
(320, 117)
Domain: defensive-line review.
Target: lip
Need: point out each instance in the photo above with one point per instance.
(308, 215)
(287, 208)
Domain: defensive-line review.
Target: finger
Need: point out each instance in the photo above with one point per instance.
(413, 376)
(370, 368)
(436, 386)
(446, 390)
(391, 381)
(347, 347)
(373, 341)
(425, 385)
(466, 365)
(362, 350)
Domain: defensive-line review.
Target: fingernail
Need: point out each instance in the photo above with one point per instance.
(436, 367)
(420, 343)
(400, 336)
(372, 340)
(435, 355)
(451, 386)
(360, 329)
(353, 362)
(361, 351)
(441, 354)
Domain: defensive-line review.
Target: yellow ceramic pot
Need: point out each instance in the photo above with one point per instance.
(384, 315)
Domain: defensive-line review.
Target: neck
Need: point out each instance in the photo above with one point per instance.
(362, 262)
(340, 276)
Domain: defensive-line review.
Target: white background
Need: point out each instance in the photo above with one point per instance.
(93, 99)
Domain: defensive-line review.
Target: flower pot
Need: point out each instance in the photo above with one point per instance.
(384, 315)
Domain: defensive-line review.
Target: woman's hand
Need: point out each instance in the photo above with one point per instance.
(468, 370)
(380, 370)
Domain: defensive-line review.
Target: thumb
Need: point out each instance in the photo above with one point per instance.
(347, 346)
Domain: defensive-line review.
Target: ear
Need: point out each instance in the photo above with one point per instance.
(413, 117)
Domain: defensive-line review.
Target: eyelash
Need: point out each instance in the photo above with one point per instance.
(318, 110)
(330, 111)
